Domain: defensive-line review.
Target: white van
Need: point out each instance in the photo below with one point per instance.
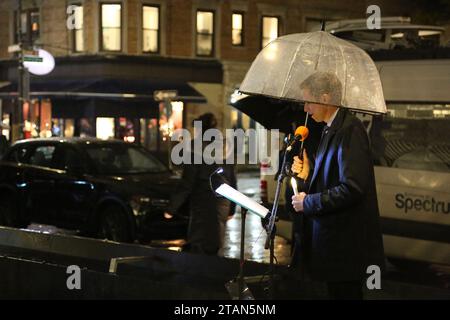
(411, 148)
(394, 33)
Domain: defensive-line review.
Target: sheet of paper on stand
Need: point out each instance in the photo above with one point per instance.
(235, 196)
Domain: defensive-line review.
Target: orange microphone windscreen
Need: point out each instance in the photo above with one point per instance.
(302, 131)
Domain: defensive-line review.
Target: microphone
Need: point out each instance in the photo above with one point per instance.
(301, 133)
(213, 185)
(219, 170)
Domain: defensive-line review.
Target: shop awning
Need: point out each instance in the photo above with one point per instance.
(104, 89)
(104, 97)
(84, 107)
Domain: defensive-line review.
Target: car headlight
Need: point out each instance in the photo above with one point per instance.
(138, 203)
(141, 204)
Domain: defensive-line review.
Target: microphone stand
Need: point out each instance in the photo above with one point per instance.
(270, 226)
(237, 288)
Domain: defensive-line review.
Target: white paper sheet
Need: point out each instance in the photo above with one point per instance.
(242, 200)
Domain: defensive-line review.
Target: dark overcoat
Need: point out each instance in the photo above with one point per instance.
(341, 229)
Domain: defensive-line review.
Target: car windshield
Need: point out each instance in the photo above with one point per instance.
(123, 159)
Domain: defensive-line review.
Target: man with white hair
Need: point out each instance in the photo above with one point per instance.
(341, 234)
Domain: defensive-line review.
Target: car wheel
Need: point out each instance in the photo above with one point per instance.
(114, 225)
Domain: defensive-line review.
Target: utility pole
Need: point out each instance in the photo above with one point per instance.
(23, 83)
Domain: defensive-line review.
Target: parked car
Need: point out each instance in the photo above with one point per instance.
(104, 189)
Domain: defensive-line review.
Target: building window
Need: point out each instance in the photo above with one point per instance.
(78, 39)
(237, 29)
(111, 25)
(105, 128)
(150, 29)
(30, 26)
(205, 33)
(270, 28)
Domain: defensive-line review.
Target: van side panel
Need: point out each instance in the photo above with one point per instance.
(415, 80)
(415, 213)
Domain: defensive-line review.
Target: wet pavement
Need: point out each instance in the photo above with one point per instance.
(255, 235)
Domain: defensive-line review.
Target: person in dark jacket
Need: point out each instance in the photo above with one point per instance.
(208, 212)
(3, 144)
(342, 236)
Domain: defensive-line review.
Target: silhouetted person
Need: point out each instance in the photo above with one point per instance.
(3, 144)
(208, 213)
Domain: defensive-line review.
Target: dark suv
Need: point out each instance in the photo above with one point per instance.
(104, 189)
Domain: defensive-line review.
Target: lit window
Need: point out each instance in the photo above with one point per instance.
(105, 128)
(78, 39)
(205, 33)
(111, 27)
(150, 29)
(238, 29)
(269, 30)
(173, 122)
(69, 128)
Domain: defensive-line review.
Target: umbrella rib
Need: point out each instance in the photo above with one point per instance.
(320, 50)
(292, 65)
(345, 72)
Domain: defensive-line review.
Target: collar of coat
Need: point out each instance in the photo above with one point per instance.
(338, 120)
(323, 147)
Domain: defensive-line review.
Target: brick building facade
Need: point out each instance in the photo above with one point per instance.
(214, 76)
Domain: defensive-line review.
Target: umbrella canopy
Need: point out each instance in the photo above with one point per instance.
(279, 114)
(274, 113)
(286, 64)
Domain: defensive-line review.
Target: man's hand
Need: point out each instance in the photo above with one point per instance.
(301, 168)
(297, 201)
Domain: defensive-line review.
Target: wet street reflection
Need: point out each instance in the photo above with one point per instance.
(255, 238)
(255, 235)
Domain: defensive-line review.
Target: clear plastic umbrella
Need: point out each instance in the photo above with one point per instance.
(285, 64)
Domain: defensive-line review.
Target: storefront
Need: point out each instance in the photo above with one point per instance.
(109, 98)
(144, 121)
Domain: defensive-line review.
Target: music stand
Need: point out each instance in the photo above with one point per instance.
(237, 287)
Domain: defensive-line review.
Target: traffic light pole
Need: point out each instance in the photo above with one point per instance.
(22, 83)
(18, 123)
